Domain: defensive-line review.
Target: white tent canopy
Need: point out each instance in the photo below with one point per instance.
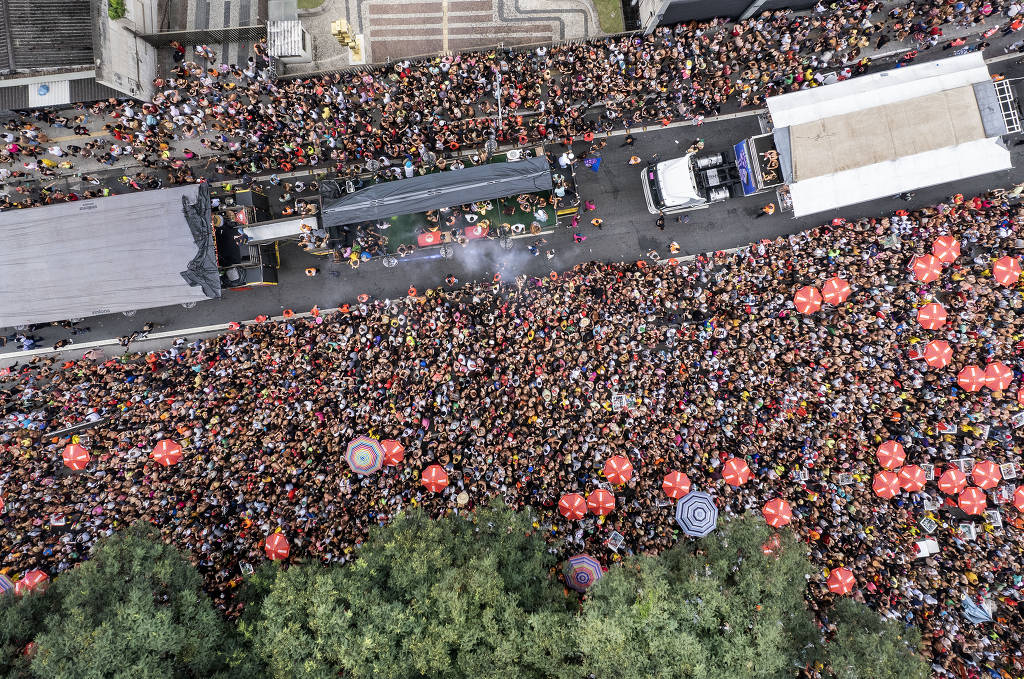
(888, 132)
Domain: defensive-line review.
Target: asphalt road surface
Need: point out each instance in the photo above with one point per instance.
(629, 232)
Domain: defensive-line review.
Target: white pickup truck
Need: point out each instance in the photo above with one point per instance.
(687, 183)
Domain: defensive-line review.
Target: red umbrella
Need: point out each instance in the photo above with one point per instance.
(736, 472)
(938, 353)
(1006, 271)
(76, 457)
(972, 500)
(952, 481)
(394, 452)
(998, 376)
(971, 378)
(927, 268)
(807, 299)
(572, 506)
(841, 581)
(771, 545)
(835, 291)
(618, 470)
(886, 485)
(890, 455)
(911, 478)
(434, 478)
(167, 452)
(986, 474)
(1018, 498)
(946, 248)
(276, 547)
(33, 580)
(931, 316)
(601, 502)
(676, 485)
(777, 512)
(1020, 396)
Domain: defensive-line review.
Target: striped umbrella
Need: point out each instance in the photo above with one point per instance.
(435, 478)
(998, 376)
(911, 478)
(886, 485)
(618, 470)
(572, 506)
(364, 455)
(276, 547)
(841, 581)
(807, 299)
(601, 502)
(932, 316)
(946, 248)
(952, 481)
(972, 500)
(167, 452)
(583, 571)
(986, 474)
(697, 514)
(777, 512)
(736, 472)
(394, 452)
(76, 457)
(938, 353)
(890, 455)
(676, 485)
(927, 268)
(1006, 271)
(835, 291)
(971, 378)
(5, 584)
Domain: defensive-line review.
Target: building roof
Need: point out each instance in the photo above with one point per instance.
(888, 132)
(45, 34)
(284, 38)
(121, 253)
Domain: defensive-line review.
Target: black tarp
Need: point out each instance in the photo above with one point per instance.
(434, 191)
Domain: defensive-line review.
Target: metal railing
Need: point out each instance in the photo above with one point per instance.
(208, 36)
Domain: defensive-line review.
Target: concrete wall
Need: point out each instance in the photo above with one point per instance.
(124, 61)
(662, 12)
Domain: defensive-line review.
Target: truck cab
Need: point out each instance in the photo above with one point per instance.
(687, 183)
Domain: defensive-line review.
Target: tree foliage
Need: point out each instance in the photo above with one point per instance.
(134, 609)
(867, 647)
(425, 598)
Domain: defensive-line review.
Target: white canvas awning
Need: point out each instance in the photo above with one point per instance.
(888, 132)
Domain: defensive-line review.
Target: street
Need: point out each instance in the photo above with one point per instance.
(629, 232)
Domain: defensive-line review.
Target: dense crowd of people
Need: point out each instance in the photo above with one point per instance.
(218, 120)
(510, 388)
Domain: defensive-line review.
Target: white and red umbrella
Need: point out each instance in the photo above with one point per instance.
(33, 580)
(927, 268)
(807, 299)
(946, 248)
(736, 472)
(931, 316)
(1018, 498)
(886, 485)
(777, 512)
(76, 457)
(938, 353)
(572, 506)
(276, 547)
(986, 474)
(835, 291)
(971, 378)
(601, 502)
(167, 452)
(394, 452)
(891, 455)
(972, 500)
(952, 481)
(676, 484)
(841, 580)
(435, 478)
(912, 478)
(1006, 271)
(998, 376)
(618, 470)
